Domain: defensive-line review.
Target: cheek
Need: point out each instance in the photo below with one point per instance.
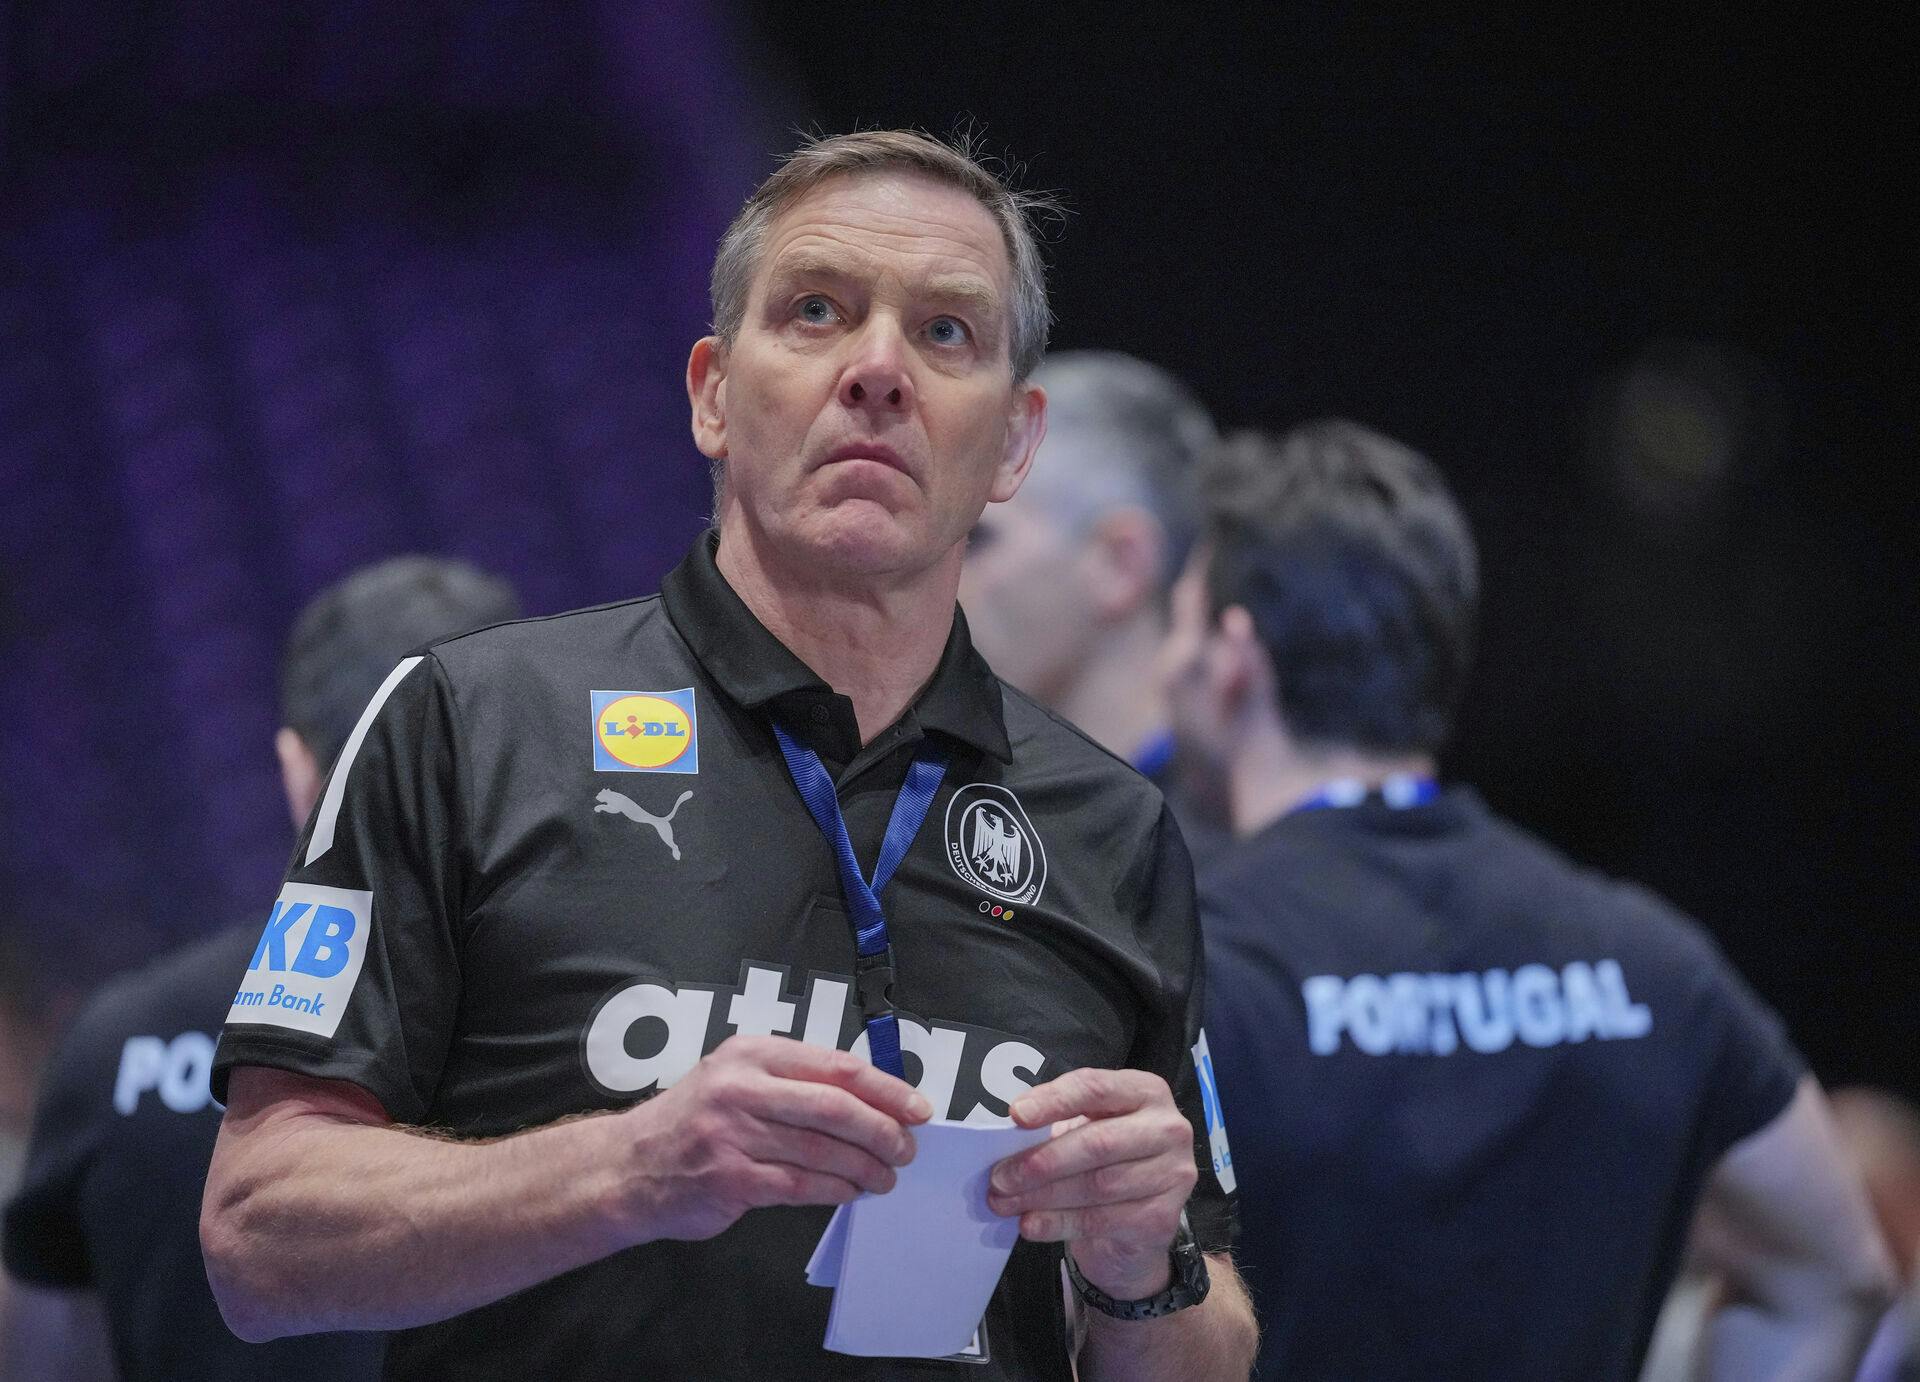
(767, 412)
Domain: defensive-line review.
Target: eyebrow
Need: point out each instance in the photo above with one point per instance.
(955, 290)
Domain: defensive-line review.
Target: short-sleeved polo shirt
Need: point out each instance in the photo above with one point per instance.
(565, 859)
(1476, 1090)
(109, 1200)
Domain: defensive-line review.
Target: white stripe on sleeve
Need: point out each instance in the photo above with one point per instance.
(322, 840)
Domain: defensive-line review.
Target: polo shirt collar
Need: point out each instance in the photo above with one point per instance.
(755, 668)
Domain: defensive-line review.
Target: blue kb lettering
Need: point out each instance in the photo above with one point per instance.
(272, 950)
(325, 952)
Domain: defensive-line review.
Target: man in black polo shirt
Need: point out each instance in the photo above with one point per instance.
(102, 1236)
(1486, 1087)
(602, 863)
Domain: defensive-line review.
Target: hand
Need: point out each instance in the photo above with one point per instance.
(1110, 1183)
(765, 1121)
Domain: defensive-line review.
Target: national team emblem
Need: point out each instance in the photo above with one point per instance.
(992, 845)
(645, 732)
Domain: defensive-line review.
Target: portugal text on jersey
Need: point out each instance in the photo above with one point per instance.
(526, 913)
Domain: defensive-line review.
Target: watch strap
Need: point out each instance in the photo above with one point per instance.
(1189, 1285)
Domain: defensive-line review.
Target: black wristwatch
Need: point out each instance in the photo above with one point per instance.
(1189, 1286)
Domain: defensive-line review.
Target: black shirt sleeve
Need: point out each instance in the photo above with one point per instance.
(398, 840)
(1755, 1067)
(44, 1239)
(1171, 1041)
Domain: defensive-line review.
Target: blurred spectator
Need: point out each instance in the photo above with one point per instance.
(1066, 584)
(1881, 1134)
(1476, 1090)
(22, 1046)
(102, 1239)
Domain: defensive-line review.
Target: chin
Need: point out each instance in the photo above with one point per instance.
(864, 538)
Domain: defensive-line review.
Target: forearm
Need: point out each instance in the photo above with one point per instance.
(328, 1224)
(1210, 1342)
(1749, 1343)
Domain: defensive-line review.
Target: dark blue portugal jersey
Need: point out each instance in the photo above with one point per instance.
(562, 859)
(1475, 1093)
(110, 1198)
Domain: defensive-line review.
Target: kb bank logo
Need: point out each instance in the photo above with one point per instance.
(645, 732)
(309, 957)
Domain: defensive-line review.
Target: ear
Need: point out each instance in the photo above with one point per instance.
(300, 774)
(1241, 665)
(1026, 426)
(1128, 545)
(707, 394)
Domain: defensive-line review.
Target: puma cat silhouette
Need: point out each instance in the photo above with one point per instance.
(613, 803)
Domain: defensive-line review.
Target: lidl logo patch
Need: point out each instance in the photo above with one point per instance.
(308, 959)
(645, 732)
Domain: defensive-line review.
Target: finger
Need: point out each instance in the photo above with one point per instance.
(773, 1183)
(1093, 1145)
(795, 1060)
(816, 1151)
(1149, 1223)
(1097, 1093)
(1117, 1184)
(828, 1109)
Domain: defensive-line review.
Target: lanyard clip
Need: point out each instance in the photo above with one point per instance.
(873, 981)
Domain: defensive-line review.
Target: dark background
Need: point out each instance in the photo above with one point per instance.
(1639, 286)
(284, 292)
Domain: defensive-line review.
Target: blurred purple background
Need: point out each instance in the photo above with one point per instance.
(287, 288)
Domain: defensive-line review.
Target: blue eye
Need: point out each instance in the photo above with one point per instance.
(815, 308)
(946, 331)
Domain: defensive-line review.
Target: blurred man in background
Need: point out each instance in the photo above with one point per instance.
(1881, 1134)
(1066, 585)
(1486, 1087)
(102, 1239)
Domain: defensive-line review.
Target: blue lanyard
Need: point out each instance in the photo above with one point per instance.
(1398, 790)
(873, 962)
(1151, 758)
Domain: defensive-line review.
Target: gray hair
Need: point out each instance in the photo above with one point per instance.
(877, 151)
(1144, 437)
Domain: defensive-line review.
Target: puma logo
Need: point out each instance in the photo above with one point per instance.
(613, 803)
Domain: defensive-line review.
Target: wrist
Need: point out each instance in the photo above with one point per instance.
(1129, 1275)
(624, 1147)
(1183, 1273)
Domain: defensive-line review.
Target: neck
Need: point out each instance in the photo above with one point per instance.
(1271, 775)
(1117, 697)
(875, 642)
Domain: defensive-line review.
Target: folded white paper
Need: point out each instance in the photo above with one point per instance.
(913, 1269)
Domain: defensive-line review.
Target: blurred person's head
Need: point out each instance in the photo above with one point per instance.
(350, 636)
(1066, 585)
(878, 305)
(25, 1027)
(1328, 616)
(1881, 1135)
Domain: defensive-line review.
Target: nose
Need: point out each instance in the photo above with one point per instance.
(876, 375)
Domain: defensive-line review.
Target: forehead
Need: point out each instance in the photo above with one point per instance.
(900, 223)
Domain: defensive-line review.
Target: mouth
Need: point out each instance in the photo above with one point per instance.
(874, 451)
